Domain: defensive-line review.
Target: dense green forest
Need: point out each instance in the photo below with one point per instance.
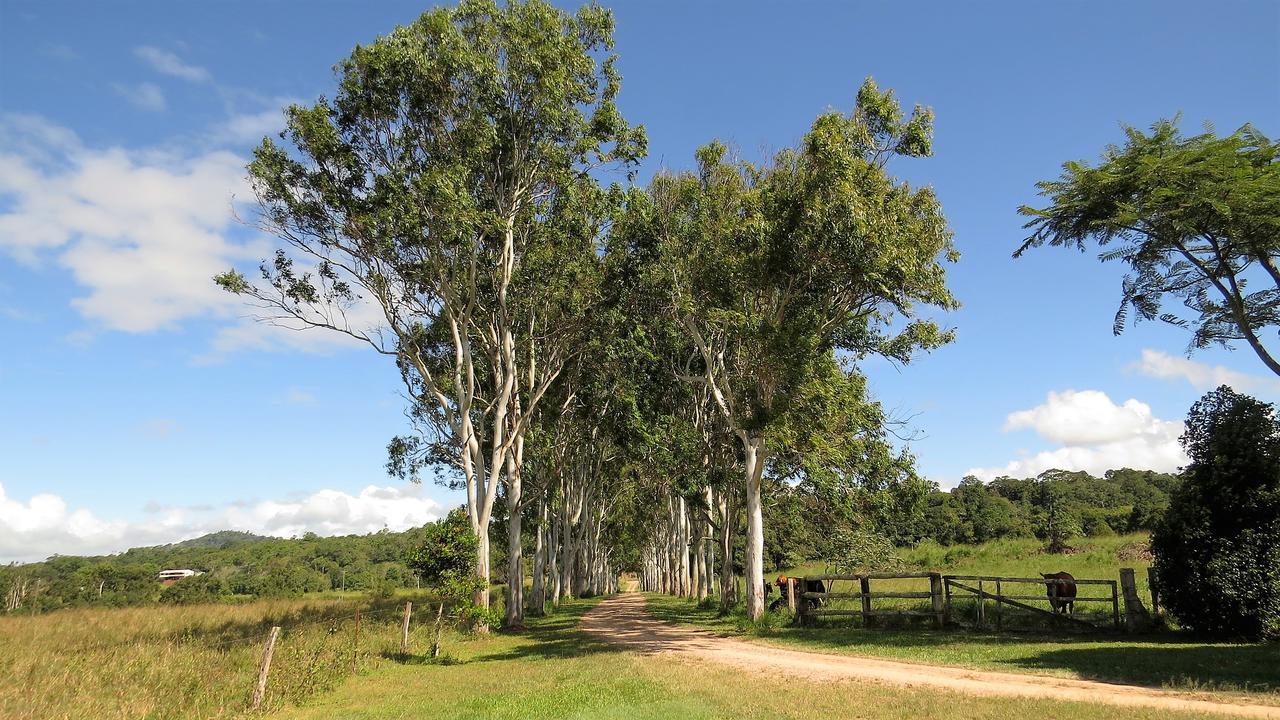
(861, 529)
(803, 522)
(234, 564)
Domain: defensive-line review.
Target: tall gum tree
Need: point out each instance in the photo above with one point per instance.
(456, 148)
(774, 268)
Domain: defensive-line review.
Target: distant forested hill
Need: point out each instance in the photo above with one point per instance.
(233, 563)
(220, 539)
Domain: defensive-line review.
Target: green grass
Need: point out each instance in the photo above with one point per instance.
(555, 671)
(1167, 659)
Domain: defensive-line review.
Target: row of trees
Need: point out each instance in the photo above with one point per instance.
(620, 372)
(610, 363)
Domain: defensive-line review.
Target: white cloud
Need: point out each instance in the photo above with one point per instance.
(165, 62)
(1087, 417)
(1164, 366)
(1095, 435)
(45, 525)
(147, 96)
(143, 231)
(252, 127)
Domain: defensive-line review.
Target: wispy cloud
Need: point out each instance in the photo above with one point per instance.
(166, 63)
(296, 396)
(147, 96)
(251, 127)
(159, 428)
(59, 51)
(1162, 365)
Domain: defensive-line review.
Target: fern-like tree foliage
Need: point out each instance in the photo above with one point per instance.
(1196, 219)
(1217, 551)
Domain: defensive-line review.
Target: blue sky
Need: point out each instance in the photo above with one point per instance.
(139, 404)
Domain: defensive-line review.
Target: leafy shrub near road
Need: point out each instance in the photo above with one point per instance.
(1217, 552)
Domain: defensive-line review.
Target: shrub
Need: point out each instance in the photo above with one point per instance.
(446, 560)
(198, 589)
(1217, 551)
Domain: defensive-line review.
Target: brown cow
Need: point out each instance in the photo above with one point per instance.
(1062, 592)
(813, 586)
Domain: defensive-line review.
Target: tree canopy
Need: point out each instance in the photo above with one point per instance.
(1196, 219)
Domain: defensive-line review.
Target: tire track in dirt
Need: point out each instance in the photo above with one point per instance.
(623, 620)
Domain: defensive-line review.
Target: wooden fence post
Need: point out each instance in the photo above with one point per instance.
(1155, 593)
(982, 616)
(946, 587)
(935, 597)
(260, 690)
(791, 596)
(355, 651)
(1115, 605)
(404, 629)
(864, 585)
(1136, 617)
(999, 606)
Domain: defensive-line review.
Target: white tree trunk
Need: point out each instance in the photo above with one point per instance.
(513, 615)
(754, 561)
(540, 561)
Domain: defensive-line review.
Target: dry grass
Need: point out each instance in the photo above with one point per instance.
(182, 662)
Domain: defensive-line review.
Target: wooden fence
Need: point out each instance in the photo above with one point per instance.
(946, 596)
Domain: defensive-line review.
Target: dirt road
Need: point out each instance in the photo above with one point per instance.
(623, 620)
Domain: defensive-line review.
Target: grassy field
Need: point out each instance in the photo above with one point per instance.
(183, 662)
(554, 671)
(1165, 659)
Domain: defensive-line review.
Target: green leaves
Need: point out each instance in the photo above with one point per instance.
(776, 267)
(1196, 219)
(446, 557)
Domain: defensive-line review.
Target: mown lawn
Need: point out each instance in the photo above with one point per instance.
(1169, 660)
(555, 671)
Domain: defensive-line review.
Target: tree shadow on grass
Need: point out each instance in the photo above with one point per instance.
(1176, 660)
(1172, 660)
(556, 636)
(1234, 668)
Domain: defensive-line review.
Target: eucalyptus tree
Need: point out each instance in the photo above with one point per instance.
(1196, 219)
(773, 268)
(456, 150)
